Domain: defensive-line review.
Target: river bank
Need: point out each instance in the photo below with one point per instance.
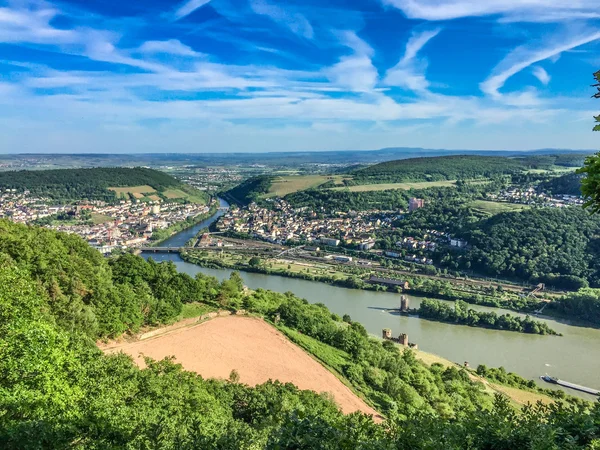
(504, 322)
(574, 357)
(167, 233)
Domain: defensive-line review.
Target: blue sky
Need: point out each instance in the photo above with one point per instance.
(266, 75)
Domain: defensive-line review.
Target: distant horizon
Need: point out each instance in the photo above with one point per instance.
(399, 149)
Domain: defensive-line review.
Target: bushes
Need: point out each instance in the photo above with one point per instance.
(462, 314)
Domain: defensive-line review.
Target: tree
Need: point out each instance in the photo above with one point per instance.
(590, 185)
(255, 261)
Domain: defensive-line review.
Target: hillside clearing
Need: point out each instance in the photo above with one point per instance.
(122, 192)
(406, 186)
(256, 350)
(174, 193)
(491, 208)
(282, 186)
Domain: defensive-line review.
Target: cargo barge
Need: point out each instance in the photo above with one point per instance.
(567, 384)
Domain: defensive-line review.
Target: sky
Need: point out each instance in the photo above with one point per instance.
(292, 75)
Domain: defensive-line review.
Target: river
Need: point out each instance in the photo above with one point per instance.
(573, 357)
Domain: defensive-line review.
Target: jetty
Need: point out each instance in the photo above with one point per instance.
(568, 384)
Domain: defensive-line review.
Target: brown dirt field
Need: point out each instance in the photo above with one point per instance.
(252, 347)
(137, 195)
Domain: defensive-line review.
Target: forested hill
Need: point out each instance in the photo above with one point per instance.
(249, 190)
(569, 184)
(91, 184)
(438, 168)
(57, 390)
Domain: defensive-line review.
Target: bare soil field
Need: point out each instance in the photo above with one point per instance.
(255, 349)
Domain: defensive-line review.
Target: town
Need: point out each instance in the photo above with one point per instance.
(106, 227)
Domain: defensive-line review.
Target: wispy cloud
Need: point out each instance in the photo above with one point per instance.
(527, 55)
(170, 47)
(355, 72)
(32, 24)
(409, 73)
(540, 73)
(294, 21)
(188, 7)
(509, 10)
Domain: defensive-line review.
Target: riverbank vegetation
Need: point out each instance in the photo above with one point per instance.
(583, 304)
(461, 314)
(354, 277)
(163, 234)
(57, 390)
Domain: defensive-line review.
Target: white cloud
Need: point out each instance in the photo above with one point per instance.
(32, 25)
(171, 47)
(355, 72)
(409, 73)
(540, 73)
(188, 7)
(525, 56)
(510, 10)
(294, 21)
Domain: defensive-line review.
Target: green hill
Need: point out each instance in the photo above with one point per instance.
(249, 190)
(569, 184)
(96, 183)
(438, 168)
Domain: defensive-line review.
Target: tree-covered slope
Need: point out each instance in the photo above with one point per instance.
(249, 190)
(569, 184)
(57, 390)
(438, 168)
(554, 245)
(92, 184)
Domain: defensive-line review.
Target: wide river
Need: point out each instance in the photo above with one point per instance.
(573, 357)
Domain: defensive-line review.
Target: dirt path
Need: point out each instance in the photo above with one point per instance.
(252, 347)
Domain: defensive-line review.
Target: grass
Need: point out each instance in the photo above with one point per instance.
(174, 193)
(194, 309)
(332, 357)
(489, 208)
(100, 218)
(289, 184)
(137, 195)
(405, 186)
(123, 192)
(301, 268)
(518, 397)
(155, 198)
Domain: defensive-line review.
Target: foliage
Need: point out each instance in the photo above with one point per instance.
(250, 190)
(438, 168)
(590, 185)
(57, 390)
(461, 314)
(583, 304)
(569, 184)
(76, 184)
(557, 246)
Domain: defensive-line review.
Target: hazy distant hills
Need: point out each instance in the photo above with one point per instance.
(342, 157)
